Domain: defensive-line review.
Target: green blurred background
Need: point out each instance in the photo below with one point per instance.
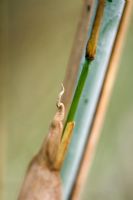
(36, 40)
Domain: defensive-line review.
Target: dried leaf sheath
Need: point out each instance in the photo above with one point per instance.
(42, 179)
(41, 182)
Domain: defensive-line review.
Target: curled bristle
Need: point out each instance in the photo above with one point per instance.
(60, 96)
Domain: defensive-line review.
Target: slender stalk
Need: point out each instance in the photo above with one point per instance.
(97, 124)
(78, 91)
(90, 55)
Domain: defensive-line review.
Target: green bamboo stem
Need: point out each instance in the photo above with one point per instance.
(90, 55)
(78, 91)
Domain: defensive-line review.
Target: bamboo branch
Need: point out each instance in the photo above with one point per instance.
(90, 148)
(89, 57)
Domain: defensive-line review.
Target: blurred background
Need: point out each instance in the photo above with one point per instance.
(36, 39)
